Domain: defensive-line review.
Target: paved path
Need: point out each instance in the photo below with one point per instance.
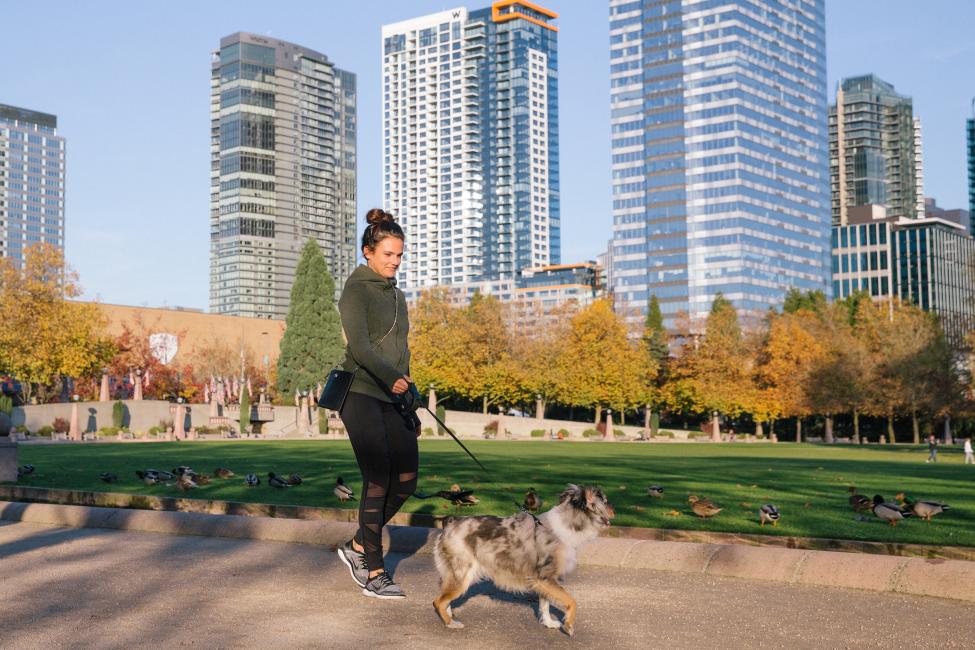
(95, 588)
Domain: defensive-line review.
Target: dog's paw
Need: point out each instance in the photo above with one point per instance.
(455, 625)
(550, 623)
(568, 629)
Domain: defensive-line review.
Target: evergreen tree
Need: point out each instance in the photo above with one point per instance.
(312, 343)
(654, 334)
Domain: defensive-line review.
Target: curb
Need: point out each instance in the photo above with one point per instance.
(954, 579)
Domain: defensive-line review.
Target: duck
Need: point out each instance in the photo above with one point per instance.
(185, 483)
(202, 479)
(147, 477)
(889, 512)
(532, 501)
(923, 509)
(183, 470)
(108, 477)
(655, 491)
(342, 491)
(26, 470)
(769, 514)
(161, 475)
(295, 479)
(252, 480)
(859, 502)
(276, 481)
(459, 497)
(223, 472)
(703, 507)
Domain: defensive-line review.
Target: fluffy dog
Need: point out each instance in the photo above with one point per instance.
(521, 553)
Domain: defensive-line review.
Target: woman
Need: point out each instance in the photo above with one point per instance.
(376, 326)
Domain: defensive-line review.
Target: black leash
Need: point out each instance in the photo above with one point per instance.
(447, 429)
(524, 508)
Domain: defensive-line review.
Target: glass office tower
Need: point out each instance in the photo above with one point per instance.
(470, 157)
(31, 181)
(720, 158)
(283, 170)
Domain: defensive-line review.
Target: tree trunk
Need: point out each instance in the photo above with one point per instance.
(915, 428)
(646, 419)
(829, 430)
(890, 429)
(715, 427)
(856, 427)
(758, 429)
(771, 427)
(599, 414)
(947, 439)
(485, 403)
(798, 429)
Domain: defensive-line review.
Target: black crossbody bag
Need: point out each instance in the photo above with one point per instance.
(339, 380)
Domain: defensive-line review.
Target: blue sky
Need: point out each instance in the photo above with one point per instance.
(129, 82)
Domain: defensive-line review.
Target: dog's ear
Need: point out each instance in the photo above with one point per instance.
(574, 495)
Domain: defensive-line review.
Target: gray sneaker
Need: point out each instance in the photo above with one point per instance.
(382, 586)
(356, 562)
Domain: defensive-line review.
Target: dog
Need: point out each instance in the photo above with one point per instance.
(521, 553)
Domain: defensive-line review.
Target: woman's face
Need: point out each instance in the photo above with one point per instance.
(386, 257)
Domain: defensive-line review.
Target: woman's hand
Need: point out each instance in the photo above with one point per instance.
(402, 385)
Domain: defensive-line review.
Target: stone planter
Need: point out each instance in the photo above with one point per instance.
(5, 424)
(8, 460)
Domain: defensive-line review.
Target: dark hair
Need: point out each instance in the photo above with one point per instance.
(381, 225)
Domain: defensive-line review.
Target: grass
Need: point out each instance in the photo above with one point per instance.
(807, 482)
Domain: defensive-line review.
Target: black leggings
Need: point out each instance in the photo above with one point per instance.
(388, 458)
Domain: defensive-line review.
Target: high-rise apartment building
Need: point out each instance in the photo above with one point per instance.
(970, 132)
(283, 170)
(720, 162)
(31, 181)
(875, 150)
(470, 127)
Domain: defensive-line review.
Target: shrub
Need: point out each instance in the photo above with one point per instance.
(601, 428)
(442, 414)
(6, 405)
(564, 433)
(591, 433)
(322, 421)
(118, 414)
(60, 425)
(20, 428)
(45, 431)
(663, 433)
(165, 425)
(691, 435)
(428, 431)
(491, 429)
(108, 431)
(538, 433)
(619, 433)
(155, 430)
(245, 412)
(654, 424)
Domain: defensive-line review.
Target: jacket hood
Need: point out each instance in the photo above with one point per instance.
(366, 275)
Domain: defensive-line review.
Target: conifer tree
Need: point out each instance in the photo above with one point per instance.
(312, 343)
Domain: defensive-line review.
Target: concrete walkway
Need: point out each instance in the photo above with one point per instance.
(97, 588)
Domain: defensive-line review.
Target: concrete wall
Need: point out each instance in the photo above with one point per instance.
(472, 425)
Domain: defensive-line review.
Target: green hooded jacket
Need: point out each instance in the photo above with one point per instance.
(369, 305)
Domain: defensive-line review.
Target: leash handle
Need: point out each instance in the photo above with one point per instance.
(447, 429)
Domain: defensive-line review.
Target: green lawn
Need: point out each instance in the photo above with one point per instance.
(808, 483)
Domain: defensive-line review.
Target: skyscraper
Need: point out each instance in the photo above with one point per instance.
(470, 126)
(31, 181)
(875, 150)
(719, 144)
(970, 130)
(283, 170)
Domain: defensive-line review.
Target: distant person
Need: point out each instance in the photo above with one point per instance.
(932, 449)
(969, 457)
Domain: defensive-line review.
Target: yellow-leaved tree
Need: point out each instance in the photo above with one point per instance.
(45, 335)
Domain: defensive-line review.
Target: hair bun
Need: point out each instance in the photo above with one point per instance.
(378, 215)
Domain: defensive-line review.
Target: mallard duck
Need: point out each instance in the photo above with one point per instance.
(859, 502)
(532, 501)
(342, 491)
(26, 470)
(295, 479)
(889, 512)
(183, 470)
(201, 479)
(703, 507)
(108, 477)
(276, 481)
(769, 514)
(147, 477)
(459, 497)
(223, 472)
(922, 509)
(161, 475)
(185, 483)
(252, 480)
(655, 491)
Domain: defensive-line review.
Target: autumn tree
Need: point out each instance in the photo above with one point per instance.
(713, 375)
(45, 335)
(312, 343)
(600, 366)
(436, 348)
(161, 380)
